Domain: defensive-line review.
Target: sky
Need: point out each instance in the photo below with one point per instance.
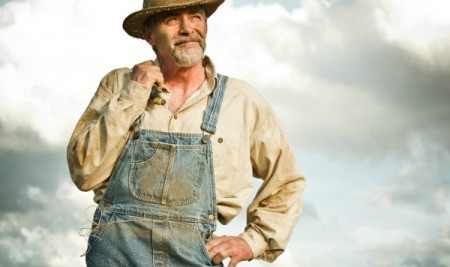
(361, 87)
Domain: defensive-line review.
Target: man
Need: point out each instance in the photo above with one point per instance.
(171, 146)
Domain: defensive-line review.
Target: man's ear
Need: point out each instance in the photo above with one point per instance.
(148, 36)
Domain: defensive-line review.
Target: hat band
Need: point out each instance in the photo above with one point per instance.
(167, 3)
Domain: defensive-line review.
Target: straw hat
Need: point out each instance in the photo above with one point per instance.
(133, 24)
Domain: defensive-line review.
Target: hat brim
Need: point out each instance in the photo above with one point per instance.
(134, 23)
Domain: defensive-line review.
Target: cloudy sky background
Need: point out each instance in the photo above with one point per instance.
(362, 87)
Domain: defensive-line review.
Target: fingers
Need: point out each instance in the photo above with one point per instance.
(231, 247)
(217, 249)
(215, 241)
(148, 74)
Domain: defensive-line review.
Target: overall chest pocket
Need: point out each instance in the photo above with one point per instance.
(167, 174)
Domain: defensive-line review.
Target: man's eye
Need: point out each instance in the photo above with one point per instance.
(171, 20)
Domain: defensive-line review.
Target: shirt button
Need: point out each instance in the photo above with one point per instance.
(205, 139)
(210, 217)
(175, 116)
(220, 140)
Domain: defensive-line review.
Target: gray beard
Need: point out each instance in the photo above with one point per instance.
(187, 57)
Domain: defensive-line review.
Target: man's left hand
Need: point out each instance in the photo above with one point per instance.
(222, 247)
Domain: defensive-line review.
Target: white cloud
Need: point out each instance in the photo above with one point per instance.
(42, 237)
(35, 194)
(430, 252)
(319, 66)
(339, 84)
(51, 62)
(373, 236)
(423, 180)
(75, 199)
(420, 182)
(37, 246)
(416, 21)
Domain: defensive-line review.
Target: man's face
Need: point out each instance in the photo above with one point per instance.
(180, 36)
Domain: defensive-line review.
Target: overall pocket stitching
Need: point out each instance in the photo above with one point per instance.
(141, 144)
(195, 176)
(198, 239)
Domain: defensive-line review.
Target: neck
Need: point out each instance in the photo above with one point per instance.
(185, 79)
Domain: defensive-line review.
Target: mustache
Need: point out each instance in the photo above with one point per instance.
(195, 38)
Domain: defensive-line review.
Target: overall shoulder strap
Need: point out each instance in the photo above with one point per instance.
(211, 114)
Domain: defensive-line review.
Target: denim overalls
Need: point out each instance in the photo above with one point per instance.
(160, 205)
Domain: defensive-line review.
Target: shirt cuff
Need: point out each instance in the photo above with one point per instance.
(137, 93)
(255, 240)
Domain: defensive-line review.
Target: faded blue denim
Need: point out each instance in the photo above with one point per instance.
(160, 205)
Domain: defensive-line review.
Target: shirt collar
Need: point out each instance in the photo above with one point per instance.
(210, 72)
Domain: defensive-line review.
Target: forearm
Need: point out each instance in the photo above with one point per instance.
(272, 220)
(274, 212)
(101, 133)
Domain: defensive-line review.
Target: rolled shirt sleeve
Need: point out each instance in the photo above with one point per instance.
(274, 212)
(102, 131)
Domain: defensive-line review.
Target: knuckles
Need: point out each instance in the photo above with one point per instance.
(224, 247)
(222, 255)
(147, 73)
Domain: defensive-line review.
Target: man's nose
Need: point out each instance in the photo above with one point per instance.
(186, 26)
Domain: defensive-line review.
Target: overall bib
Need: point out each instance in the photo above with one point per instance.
(160, 205)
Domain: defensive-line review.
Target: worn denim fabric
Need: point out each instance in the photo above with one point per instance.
(160, 205)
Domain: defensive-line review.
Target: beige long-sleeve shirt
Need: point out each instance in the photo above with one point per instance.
(249, 142)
